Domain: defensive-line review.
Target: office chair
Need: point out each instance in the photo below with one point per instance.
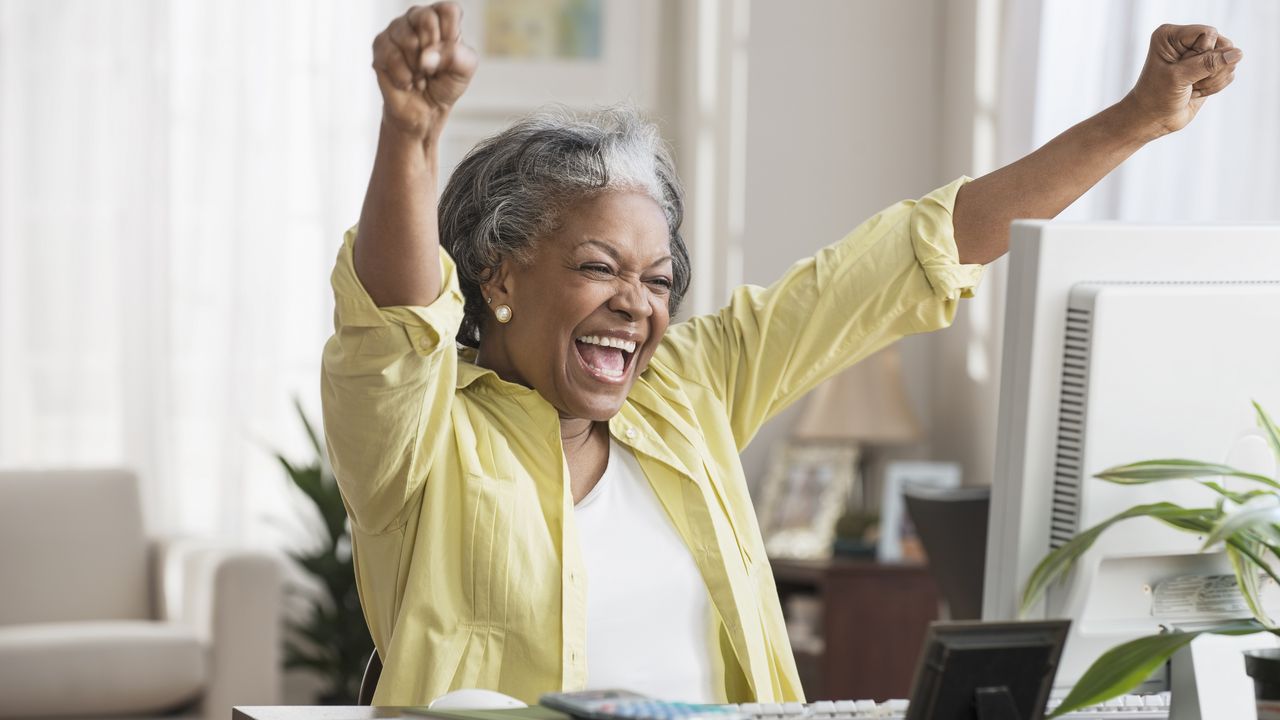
(952, 525)
(369, 683)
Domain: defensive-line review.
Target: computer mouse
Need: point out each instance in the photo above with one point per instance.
(475, 699)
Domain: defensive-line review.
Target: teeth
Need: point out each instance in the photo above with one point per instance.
(625, 345)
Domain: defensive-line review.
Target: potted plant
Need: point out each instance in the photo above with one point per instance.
(1246, 524)
(332, 640)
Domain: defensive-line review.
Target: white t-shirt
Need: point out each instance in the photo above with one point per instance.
(648, 610)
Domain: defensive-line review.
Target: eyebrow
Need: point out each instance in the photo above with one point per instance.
(613, 252)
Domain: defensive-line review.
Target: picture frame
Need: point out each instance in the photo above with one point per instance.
(804, 494)
(612, 58)
(898, 542)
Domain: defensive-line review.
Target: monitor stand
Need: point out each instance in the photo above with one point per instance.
(1208, 681)
(995, 703)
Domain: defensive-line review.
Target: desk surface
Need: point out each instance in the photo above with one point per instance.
(316, 712)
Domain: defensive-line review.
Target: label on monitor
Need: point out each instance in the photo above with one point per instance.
(1198, 595)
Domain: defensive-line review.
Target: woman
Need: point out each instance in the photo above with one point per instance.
(560, 503)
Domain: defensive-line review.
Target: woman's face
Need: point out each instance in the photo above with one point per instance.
(590, 307)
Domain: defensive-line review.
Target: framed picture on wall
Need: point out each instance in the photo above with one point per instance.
(576, 52)
(804, 494)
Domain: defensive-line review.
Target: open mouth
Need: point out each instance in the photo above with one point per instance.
(605, 358)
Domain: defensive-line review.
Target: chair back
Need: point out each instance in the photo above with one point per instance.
(952, 525)
(72, 547)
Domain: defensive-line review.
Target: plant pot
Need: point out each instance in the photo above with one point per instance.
(1264, 667)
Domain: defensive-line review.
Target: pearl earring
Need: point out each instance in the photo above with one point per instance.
(503, 313)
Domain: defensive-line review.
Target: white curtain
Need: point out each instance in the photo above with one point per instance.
(1225, 166)
(174, 181)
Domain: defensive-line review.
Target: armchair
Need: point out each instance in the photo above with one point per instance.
(96, 619)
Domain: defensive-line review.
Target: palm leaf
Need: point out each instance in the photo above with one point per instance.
(332, 638)
(1247, 580)
(1261, 519)
(312, 435)
(1057, 563)
(1235, 497)
(1147, 471)
(1269, 427)
(1125, 666)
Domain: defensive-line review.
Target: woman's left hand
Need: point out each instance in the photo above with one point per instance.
(1185, 64)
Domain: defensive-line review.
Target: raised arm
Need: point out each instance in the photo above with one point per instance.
(1185, 64)
(423, 67)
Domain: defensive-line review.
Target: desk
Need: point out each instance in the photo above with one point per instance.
(316, 712)
(874, 620)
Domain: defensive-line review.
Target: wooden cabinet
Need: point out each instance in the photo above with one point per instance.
(873, 622)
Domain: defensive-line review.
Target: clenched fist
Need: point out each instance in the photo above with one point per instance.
(1185, 64)
(423, 67)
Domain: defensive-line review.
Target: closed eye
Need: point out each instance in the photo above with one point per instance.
(597, 268)
(664, 283)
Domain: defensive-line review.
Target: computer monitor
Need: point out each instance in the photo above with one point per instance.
(986, 671)
(1125, 343)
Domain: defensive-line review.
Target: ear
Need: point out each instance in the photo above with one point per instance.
(498, 288)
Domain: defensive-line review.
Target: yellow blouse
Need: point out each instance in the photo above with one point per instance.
(466, 555)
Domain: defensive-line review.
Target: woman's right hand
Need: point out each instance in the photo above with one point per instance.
(423, 67)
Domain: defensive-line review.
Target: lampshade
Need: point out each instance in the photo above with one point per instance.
(866, 404)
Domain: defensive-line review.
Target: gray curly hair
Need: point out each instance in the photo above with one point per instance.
(511, 189)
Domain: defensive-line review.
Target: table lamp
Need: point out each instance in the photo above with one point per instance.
(863, 407)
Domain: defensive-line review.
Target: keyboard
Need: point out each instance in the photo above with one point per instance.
(1127, 707)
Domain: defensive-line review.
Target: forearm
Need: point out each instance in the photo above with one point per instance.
(1044, 183)
(397, 247)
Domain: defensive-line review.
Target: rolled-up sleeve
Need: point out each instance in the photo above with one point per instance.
(387, 386)
(896, 274)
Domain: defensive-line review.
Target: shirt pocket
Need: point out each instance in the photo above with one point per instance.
(486, 547)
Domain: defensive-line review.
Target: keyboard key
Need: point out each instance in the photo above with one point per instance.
(823, 707)
(846, 706)
(793, 708)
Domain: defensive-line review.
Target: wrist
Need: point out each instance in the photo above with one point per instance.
(1132, 121)
(422, 134)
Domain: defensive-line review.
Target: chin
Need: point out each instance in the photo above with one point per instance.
(597, 407)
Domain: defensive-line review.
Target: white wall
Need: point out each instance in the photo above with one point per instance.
(845, 116)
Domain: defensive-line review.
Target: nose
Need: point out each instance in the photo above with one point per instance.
(631, 299)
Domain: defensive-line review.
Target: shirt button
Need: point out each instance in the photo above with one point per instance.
(631, 433)
(424, 343)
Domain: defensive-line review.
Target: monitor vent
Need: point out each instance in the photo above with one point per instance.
(1067, 469)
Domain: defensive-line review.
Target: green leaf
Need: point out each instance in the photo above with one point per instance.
(1260, 518)
(1059, 562)
(311, 432)
(1148, 471)
(1125, 666)
(1235, 497)
(1254, 547)
(1247, 580)
(1269, 427)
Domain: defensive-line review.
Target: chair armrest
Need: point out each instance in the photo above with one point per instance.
(232, 599)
